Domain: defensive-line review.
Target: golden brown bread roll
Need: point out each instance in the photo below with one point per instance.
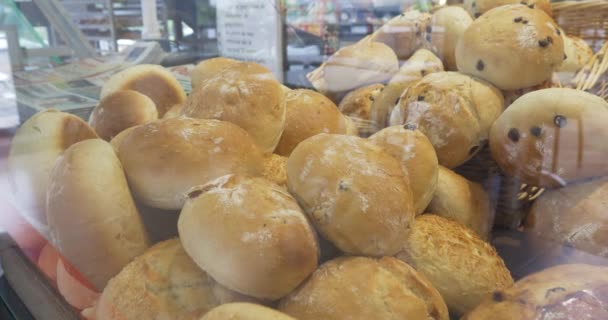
(120, 137)
(577, 53)
(365, 288)
(447, 26)
(174, 111)
(404, 33)
(88, 198)
(478, 7)
(569, 291)
(275, 169)
(512, 47)
(34, 149)
(308, 113)
(165, 158)
(356, 195)
(250, 235)
(551, 137)
(461, 266)
(121, 110)
(154, 81)
(358, 103)
(454, 111)
(246, 94)
(208, 69)
(244, 311)
(418, 160)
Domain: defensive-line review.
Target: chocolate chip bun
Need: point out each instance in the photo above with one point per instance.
(569, 291)
(418, 159)
(478, 7)
(577, 53)
(356, 195)
(512, 47)
(453, 110)
(447, 26)
(461, 266)
(209, 68)
(404, 33)
(365, 288)
(357, 104)
(244, 311)
(551, 137)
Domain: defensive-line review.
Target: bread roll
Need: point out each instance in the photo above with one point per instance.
(275, 169)
(121, 110)
(569, 291)
(577, 53)
(356, 195)
(208, 69)
(88, 198)
(365, 288)
(461, 266)
(75, 290)
(404, 33)
(477, 7)
(463, 201)
(512, 47)
(447, 27)
(573, 216)
(164, 159)
(154, 81)
(174, 111)
(423, 62)
(308, 113)
(250, 235)
(551, 137)
(162, 283)
(244, 311)
(358, 103)
(418, 160)
(454, 111)
(247, 95)
(34, 149)
(119, 138)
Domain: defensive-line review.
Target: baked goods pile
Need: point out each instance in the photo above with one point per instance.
(283, 211)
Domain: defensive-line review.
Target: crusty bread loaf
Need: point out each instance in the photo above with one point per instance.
(577, 53)
(34, 149)
(244, 311)
(404, 33)
(454, 111)
(512, 47)
(569, 291)
(478, 7)
(165, 158)
(250, 235)
(308, 113)
(461, 266)
(418, 160)
(208, 69)
(275, 169)
(358, 103)
(88, 198)
(153, 81)
(246, 94)
(365, 288)
(121, 110)
(447, 26)
(356, 194)
(552, 137)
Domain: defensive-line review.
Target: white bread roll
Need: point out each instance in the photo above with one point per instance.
(244, 311)
(92, 217)
(478, 7)
(250, 235)
(154, 81)
(208, 68)
(34, 149)
(448, 25)
(165, 158)
(404, 33)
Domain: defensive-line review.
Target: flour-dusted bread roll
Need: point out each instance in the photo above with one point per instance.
(162, 283)
(573, 216)
(577, 54)
(512, 47)
(356, 194)
(569, 291)
(418, 159)
(421, 63)
(447, 26)
(165, 158)
(34, 149)
(244, 311)
(275, 169)
(250, 235)
(247, 95)
(91, 214)
(478, 7)
(358, 103)
(551, 137)
(154, 81)
(365, 288)
(208, 69)
(308, 113)
(174, 112)
(464, 201)
(121, 110)
(404, 33)
(454, 111)
(461, 266)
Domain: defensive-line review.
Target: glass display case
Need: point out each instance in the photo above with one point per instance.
(295, 159)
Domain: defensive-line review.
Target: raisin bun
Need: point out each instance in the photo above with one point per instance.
(447, 26)
(453, 110)
(569, 291)
(208, 68)
(418, 159)
(512, 47)
(404, 33)
(551, 137)
(577, 54)
(478, 7)
(356, 194)
(365, 288)
(244, 311)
